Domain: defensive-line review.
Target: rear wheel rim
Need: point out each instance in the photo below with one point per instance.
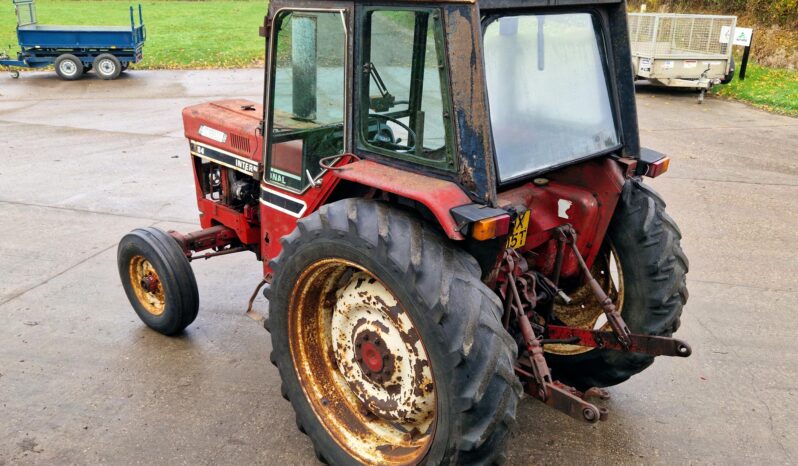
(585, 312)
(106, 67)
(361, 364)
(68, 67)
(147, 285)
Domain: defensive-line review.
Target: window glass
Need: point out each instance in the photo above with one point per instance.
(308, 96)
(549, 101)
(404, 87)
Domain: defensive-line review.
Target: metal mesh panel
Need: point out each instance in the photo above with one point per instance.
(670, 35)
(26, 13)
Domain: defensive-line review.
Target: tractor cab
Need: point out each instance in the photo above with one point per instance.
(485, 94)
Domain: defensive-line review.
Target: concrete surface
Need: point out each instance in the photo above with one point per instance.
(83, 381)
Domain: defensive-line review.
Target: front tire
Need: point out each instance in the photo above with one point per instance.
(398, 290)
(158, 280)
(646, 242)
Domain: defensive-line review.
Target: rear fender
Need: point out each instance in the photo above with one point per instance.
(439, 196)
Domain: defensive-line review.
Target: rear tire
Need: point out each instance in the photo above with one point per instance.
(68, 67)
(654, 267)
(456, 317)
(107, 66)
(158, 280)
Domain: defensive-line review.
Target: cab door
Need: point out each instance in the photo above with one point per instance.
(307, 115)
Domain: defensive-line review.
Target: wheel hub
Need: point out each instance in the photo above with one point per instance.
(380, 354)
(373, 356)
(150, 283)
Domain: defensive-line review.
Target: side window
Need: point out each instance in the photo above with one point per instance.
(308, 96)
(404, 87)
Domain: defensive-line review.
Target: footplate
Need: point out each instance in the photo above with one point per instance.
(646, 344)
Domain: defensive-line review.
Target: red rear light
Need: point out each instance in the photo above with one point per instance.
(657, 168)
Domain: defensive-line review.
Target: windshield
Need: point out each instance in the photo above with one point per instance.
(547, 88)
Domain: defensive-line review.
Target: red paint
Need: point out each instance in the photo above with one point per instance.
(229, 117)
(371, 356)
(439, 196)
(586, 193)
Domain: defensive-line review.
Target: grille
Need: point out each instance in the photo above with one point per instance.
(239, 142)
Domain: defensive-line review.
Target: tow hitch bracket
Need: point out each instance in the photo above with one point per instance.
(646, 344)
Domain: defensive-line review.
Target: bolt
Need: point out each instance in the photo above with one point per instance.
(589, 414)
(366, 337)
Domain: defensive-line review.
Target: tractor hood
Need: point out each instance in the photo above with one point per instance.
(229, 125)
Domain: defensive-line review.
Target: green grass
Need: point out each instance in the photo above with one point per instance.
(772, 89)
(180, 34)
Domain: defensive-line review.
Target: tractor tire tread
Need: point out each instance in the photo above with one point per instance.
(468, 316)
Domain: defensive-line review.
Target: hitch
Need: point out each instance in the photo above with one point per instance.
(645, 344)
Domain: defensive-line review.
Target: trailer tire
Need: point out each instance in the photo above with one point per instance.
(15, 74)
(654, 270)
(107, 66)
(452, 314)
(158, 280)
(68, 67)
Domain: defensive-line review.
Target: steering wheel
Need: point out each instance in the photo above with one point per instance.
(411, 135)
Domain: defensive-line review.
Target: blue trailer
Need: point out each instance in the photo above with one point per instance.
(74, 50)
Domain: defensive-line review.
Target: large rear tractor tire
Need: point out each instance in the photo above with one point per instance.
(644, 268)
(158, 280)
(390, 348)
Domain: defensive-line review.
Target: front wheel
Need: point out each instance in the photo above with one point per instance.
(389, 346)
(643, 269)
(158, 280)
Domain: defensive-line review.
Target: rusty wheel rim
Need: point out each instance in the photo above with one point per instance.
(147, 285)
(361, 364)
(585, 312)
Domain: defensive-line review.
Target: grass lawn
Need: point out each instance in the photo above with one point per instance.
(769, 88)
(217, 33)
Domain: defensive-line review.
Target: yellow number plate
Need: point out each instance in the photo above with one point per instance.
(518, 232)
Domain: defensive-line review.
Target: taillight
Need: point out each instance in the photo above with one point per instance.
(490, 228)
(657, 168)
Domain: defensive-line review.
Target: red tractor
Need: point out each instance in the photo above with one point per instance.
(448, 201)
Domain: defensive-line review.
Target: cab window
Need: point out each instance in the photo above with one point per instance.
(403, 91)
(307, 96)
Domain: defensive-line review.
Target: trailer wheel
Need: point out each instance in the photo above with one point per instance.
(643, 269)
(68, 67)
(15, 74)
(158, 280)
(390, 348)
(107, 66)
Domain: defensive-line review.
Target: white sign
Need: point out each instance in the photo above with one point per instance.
(645, 65)
(742, 36)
